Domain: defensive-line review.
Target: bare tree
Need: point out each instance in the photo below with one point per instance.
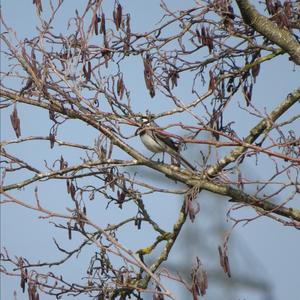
(213, 50)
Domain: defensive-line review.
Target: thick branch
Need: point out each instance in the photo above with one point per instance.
(270, 30)
(255, 132)
(168, 170)
(242, 197)
(170, 243)
(63, 174)
(184, 176)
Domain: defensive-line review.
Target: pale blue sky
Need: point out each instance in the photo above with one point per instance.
(275, 248)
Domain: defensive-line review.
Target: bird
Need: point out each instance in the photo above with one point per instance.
(158, 142)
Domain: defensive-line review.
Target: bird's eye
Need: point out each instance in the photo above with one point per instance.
(144, 120)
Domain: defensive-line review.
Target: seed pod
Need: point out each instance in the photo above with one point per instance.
(212, 81)
(148, 75)
(287, 5)
(72, 191)
(224, 261)
(128, 35)
(120, 87)
(102, 26)
(117, 16)
(173, 76)
(198, 36)
(69, 231)
(255, 71)
(96, 20)
(15, 122)
(85, 73)
(52, 140)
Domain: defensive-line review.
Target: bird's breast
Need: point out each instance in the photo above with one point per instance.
(151, 144)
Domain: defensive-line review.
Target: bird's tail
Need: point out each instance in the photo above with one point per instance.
(182, 160)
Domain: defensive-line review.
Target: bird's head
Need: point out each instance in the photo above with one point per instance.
(145, 121)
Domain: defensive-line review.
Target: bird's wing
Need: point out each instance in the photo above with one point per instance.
(164, 138)
(174, 150)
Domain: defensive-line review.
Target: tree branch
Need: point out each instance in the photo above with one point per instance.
(270, 30)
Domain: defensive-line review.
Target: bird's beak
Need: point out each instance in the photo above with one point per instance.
(139, 130)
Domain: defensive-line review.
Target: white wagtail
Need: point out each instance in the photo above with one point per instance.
(157, 142)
